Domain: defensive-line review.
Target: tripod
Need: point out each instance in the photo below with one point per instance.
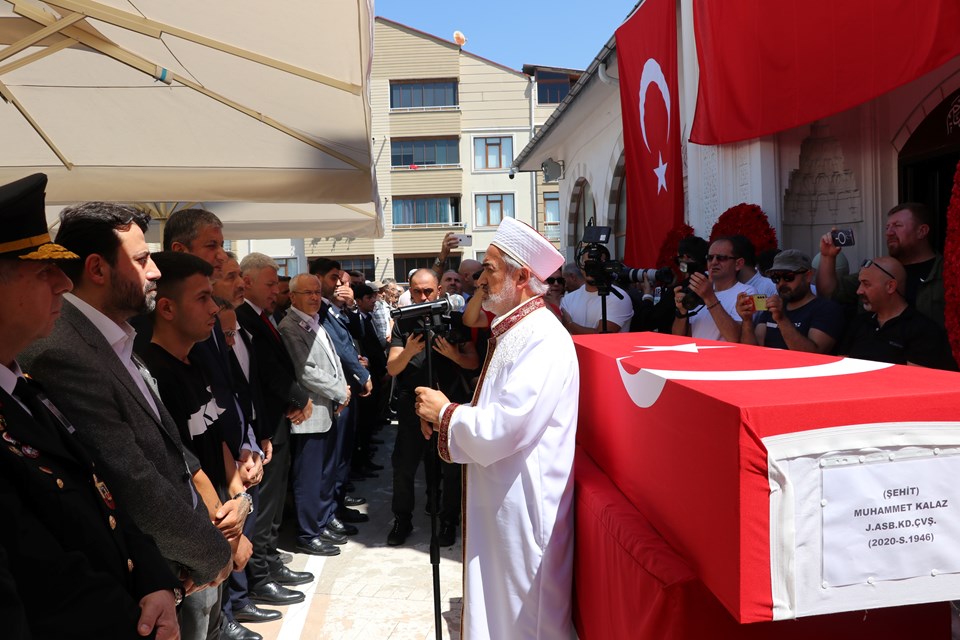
(429, 322)
(604, 289)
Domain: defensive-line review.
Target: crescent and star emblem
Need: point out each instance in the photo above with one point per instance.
(645, 386)
(653, 74)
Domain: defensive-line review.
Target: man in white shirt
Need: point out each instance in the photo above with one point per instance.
(716, 318)
(581, 310)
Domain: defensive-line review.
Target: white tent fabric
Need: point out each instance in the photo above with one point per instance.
(219, 101)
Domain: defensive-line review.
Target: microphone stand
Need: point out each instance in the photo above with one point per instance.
(434, 460)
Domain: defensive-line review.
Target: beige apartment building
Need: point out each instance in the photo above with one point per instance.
(447, 125)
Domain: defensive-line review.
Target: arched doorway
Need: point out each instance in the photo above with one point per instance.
(617, 210)
(929, 160)
(582, 209)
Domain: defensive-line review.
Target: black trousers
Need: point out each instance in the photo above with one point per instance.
(273, 493)
(409, 449)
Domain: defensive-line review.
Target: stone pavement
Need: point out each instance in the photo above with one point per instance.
(372, 591)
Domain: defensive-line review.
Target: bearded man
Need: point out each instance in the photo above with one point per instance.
(516, 440)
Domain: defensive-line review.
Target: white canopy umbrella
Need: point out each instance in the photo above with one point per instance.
(220, 101)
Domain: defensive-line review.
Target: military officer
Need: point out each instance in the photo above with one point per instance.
(81, 569)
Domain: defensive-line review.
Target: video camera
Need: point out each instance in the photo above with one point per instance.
(442, 318)
(594, 259)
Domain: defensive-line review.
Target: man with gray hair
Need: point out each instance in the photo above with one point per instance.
(517, 440)
(284, 401)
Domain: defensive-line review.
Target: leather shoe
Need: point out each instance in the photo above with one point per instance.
(336, 525)
(286, 558)
(329, 535)
(273, 593)
(401, 529)
(234, 631)
(253, 613)
(353, 501)
(317, 547)
(290, 578)
(447, 536)
(351, 515)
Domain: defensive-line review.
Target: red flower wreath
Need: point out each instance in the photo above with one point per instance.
(746, 220)
(670, 246)
(951, 268)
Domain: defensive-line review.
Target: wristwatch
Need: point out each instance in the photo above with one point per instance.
(243, 495)
(177, 596)
(438, 263)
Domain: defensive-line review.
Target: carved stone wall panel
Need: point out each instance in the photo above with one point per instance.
(822, 191)
(710, 165)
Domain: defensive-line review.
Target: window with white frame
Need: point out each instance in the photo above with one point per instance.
(492, 153)
(551, 222)
(409, 210)
(423, 94)
(417, 153)
(491, 208)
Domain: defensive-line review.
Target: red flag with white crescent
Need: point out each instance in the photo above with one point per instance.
(650, 106)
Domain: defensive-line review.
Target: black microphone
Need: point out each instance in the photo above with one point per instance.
(444, 305)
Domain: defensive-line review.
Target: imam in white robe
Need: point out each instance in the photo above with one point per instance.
(517, 441)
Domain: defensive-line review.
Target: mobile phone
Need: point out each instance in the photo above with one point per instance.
(464, 239)
(759, 302)
(842, 237)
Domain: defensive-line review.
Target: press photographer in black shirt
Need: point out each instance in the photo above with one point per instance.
(407, 361)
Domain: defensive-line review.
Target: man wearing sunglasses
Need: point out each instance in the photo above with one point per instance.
(907, 234)
(795, 319)
(716, 318)
(891, 329)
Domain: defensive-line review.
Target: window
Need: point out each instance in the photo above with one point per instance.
(552, 87)
(364, 264)
(417, 153)
(492, 207)
(423, 94)
(288, 266)
(492, 153)
(551, 208)
(402, 265)
(426, 210)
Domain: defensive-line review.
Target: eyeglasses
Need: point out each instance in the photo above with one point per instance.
(311, 292)
(556, 281)
(231, 333)
(719, 257)
(870, 263)
(787, 276)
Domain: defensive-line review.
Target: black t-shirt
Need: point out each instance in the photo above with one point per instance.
(185, 391)
(820, 313)
(446, 372)
(915, 275)
(910, 337)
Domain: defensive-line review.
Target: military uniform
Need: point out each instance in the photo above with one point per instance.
(80, 566)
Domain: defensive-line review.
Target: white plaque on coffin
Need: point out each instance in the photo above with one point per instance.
(890, 520)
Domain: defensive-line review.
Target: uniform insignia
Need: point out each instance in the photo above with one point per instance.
(10, 439)
(46, 470)
(15, 450)
(29, 451)
(104, 492)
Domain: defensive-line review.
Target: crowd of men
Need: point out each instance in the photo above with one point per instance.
(890, 310)
(175, 398)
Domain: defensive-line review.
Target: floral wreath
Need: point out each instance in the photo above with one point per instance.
(746, 220)
(951, 268)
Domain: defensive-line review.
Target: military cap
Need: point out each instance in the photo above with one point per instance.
(23, 224)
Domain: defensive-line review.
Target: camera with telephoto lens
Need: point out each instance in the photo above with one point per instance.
(593, 258)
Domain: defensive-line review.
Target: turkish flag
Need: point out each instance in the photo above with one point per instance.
(650, 106)
(770, 66)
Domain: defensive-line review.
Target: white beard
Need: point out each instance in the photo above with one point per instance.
(499, 303)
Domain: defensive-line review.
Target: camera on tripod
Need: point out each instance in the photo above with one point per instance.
(593, 258)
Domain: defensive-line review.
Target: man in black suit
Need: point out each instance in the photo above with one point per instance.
(369, 407)
(283, 401)
(74, 565)
(92, 374)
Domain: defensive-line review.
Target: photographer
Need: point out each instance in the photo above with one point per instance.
(716, 318)
(650, 314)
(581, 309)
(407, 361)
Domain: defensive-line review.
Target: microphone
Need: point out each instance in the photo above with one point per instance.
(444, 305)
